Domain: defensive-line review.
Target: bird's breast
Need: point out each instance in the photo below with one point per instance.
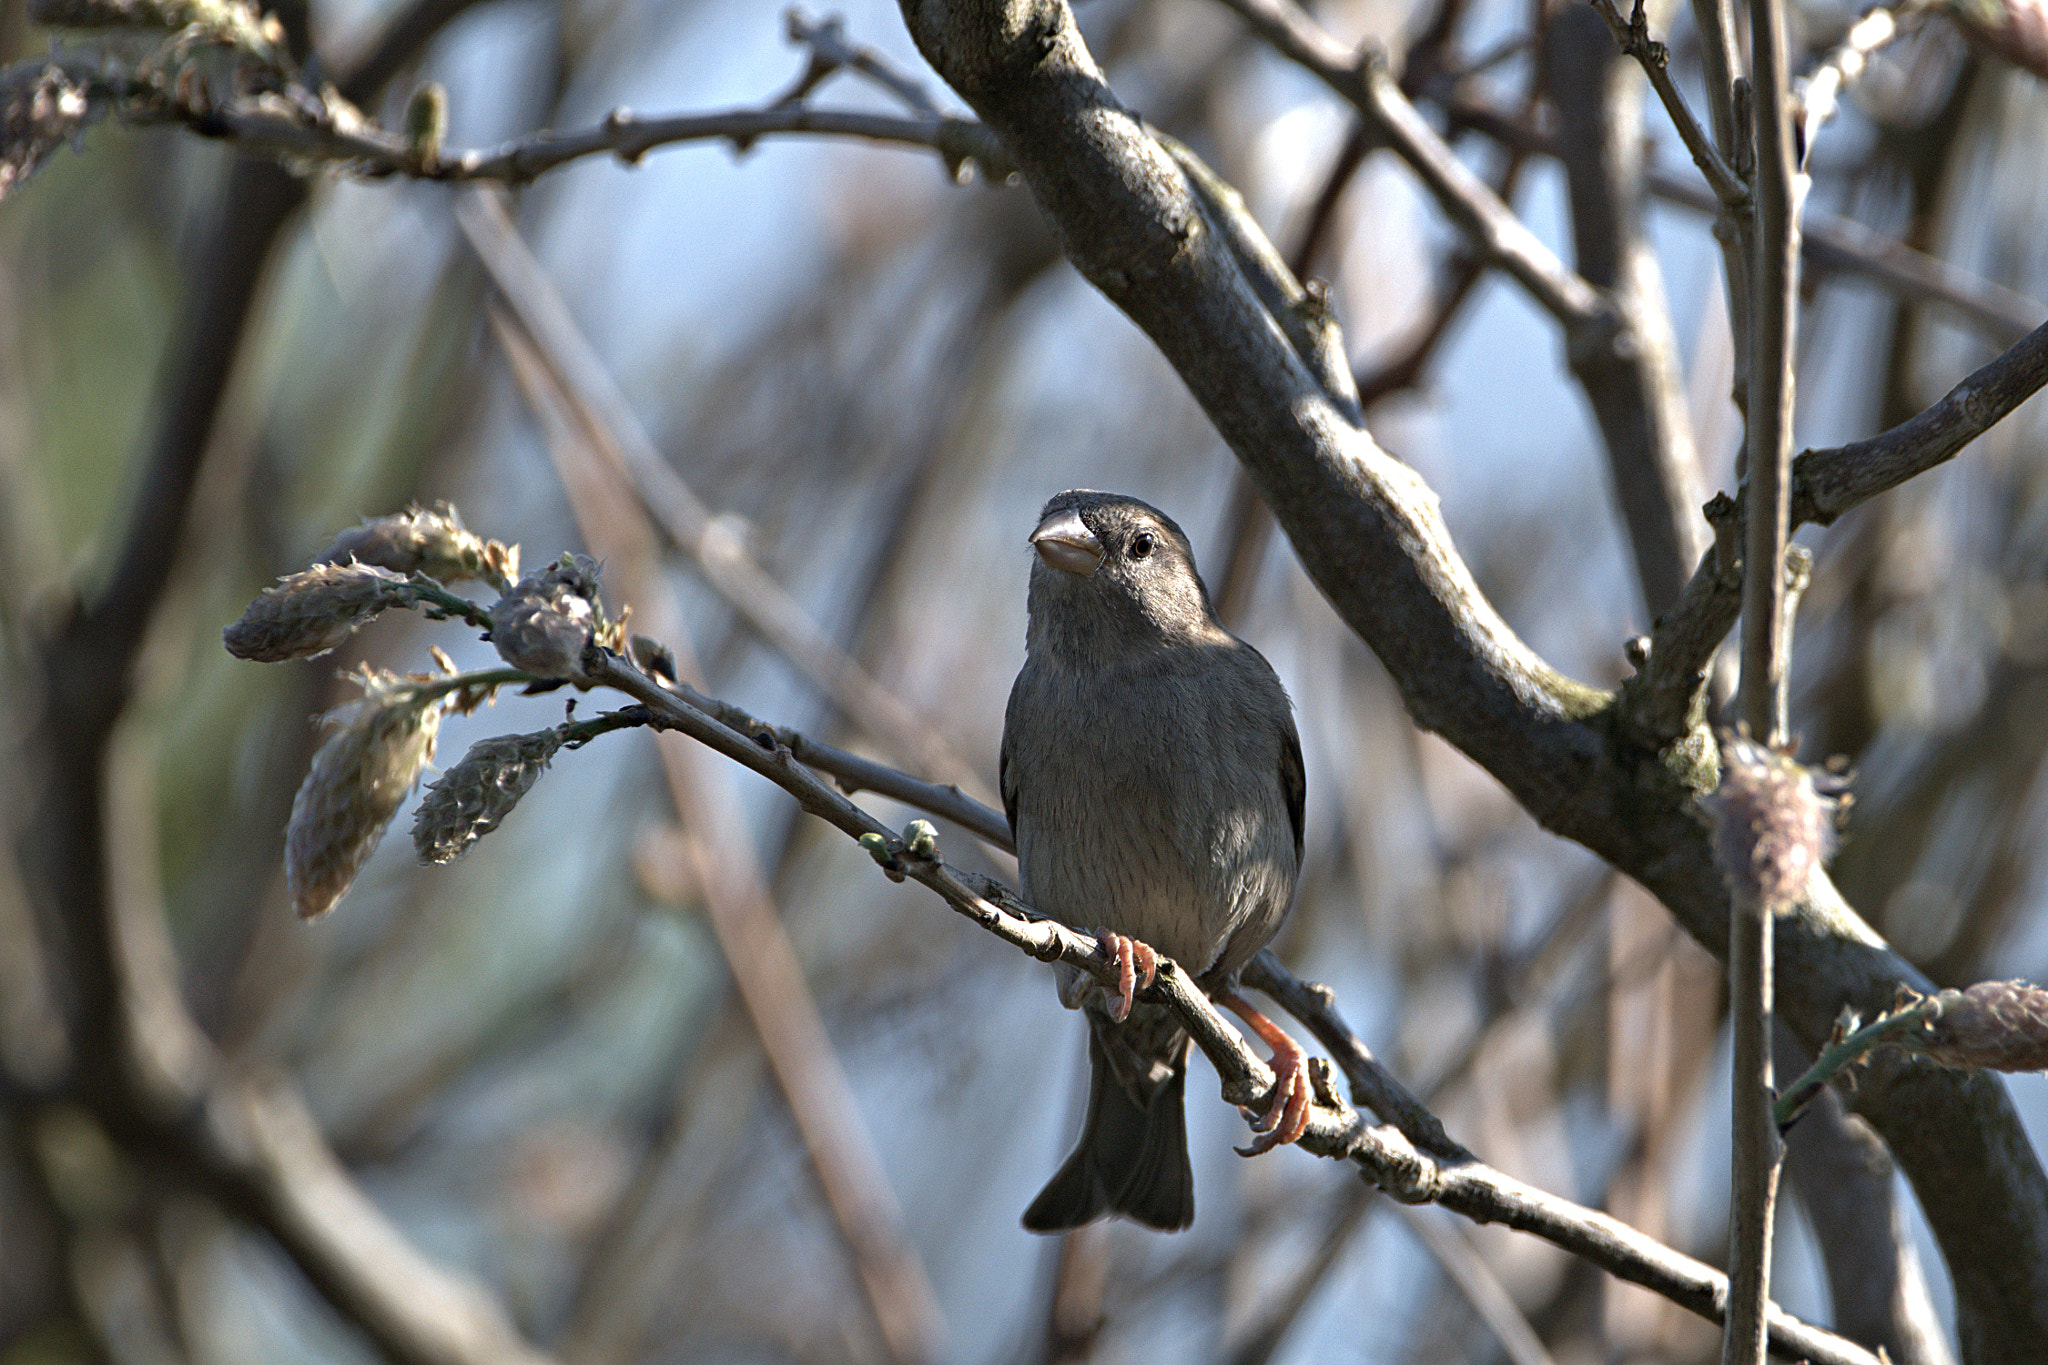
(1151, 805)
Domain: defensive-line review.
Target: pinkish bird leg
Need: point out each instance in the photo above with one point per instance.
(1286, 1116)
(1137, 967)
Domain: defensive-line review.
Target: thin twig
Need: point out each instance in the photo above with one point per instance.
(1852, 1048)
(827, 39)
(1633, 34)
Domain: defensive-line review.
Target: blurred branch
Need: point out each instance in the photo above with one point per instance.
(1848, 1185)
(138, 1058)
(721, 557)
(1364, 81)
(1632, 383)
(1389, 1159)
(743, 916)
(1481, 1287)
(1368, 532)
(1263, 1337)
(263, 1155)
(1818, 94)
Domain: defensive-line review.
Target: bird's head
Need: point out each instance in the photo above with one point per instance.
(1113, 575)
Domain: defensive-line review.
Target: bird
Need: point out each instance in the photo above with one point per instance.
(1153, 779)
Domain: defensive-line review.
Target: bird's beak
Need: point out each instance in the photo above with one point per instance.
(1064, 542)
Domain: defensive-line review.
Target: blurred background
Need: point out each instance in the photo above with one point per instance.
(535, 1061)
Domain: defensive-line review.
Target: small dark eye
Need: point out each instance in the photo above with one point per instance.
(1142, 544)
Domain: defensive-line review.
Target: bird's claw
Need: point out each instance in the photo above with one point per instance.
(1137, 967)
(1286, 1116)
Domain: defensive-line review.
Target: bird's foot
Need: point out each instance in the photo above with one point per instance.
(1285, 1117)
(1137, 967)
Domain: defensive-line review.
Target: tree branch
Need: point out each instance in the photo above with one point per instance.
(1632, 384)
(1829, 481)
(1773, 314)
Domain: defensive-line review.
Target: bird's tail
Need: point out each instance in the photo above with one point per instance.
(1132, 1158)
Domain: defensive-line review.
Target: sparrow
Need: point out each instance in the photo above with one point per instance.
(1154, 784)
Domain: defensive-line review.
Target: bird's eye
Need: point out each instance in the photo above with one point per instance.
(1142, 545)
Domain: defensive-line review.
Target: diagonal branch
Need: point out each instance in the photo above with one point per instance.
(1829, 481)
(1364, 81)
(1633, 35)
(1388, 1158)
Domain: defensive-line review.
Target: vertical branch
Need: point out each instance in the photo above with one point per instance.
(1633, 387)
(1774, 279)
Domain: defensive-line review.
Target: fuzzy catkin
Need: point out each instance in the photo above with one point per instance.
(357, 782)
(544, 623)
(1992, 1026)
(314, 610)
(471, 798)
(1773, 824)
(432, 541)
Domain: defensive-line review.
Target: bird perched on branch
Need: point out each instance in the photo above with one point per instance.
(1153, 780)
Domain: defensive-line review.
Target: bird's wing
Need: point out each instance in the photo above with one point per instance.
(1004, 783)
(1293, 784)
